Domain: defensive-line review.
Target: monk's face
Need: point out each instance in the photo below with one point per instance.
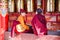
(23, 14)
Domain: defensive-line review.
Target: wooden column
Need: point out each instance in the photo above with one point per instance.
(44, 4)
(35, 5)
(25, 5)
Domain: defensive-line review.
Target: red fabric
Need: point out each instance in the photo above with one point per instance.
(39, 23)
(6, 22)
(3, 26)
(14, 30)
(14, 27)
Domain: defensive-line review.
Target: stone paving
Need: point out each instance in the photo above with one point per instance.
(26, 36)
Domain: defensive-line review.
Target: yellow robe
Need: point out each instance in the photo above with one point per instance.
(22, 22)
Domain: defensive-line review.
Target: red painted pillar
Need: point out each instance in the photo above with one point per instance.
(3, 18)
(5, 22)
(1, 29)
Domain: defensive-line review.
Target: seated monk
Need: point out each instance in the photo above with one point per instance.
(20, 26)
(39, 23)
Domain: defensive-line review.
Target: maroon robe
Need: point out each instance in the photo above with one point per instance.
(15, 31)
(39, 24)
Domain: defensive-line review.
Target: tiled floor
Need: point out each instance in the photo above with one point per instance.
(31, 37)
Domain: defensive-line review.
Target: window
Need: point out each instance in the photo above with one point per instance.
(53, 5)
(38, 3)
(59, 5)
(11, 5)
(21, 4)
(18, 5)
(50, 5)
(29, 6)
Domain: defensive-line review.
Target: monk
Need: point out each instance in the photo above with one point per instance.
(39, 23)
(20, 25)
